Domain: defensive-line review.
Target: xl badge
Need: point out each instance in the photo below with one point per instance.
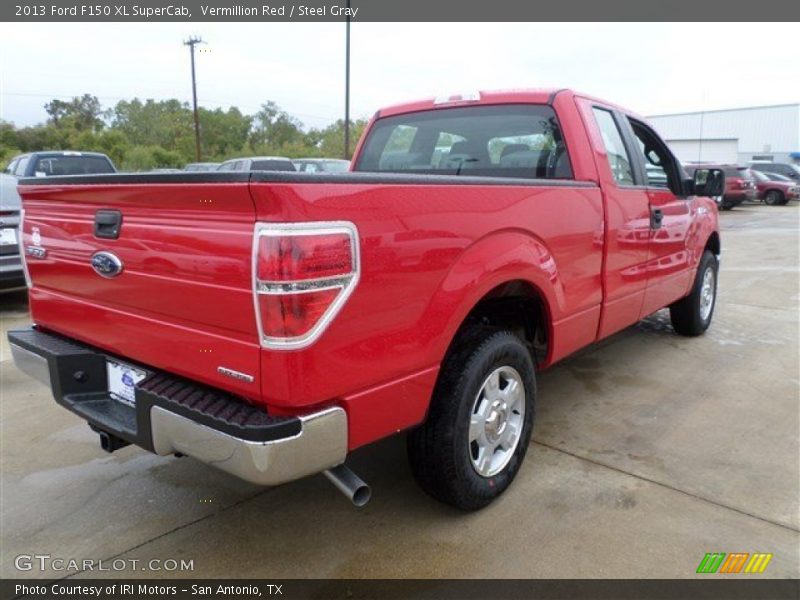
(106, 264)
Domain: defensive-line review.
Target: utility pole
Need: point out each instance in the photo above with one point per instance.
(192, 42)
(347, 86)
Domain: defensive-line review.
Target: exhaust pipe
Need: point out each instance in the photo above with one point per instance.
(350, 484)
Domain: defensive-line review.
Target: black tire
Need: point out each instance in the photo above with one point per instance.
(439, 450)
(774, 198)
(687, 314)
(726, 204)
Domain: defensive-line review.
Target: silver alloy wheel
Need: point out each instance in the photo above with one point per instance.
(496, 420)
(707, 293)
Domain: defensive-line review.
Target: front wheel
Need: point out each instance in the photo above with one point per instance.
(692, 315)
(774, 198)
(479, 425)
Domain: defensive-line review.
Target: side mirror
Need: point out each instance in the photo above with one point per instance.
(708, 182)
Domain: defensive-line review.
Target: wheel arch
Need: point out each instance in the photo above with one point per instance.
(499, 279)
(713, 244)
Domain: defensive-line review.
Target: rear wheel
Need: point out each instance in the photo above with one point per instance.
(726, 204)
(479, 425)
(774, 198)
(692, 315)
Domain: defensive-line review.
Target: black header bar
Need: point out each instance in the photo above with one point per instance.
(396, 10)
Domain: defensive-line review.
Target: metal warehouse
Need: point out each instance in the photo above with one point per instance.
(739, 135)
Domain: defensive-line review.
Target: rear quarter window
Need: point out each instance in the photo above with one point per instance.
(500, 141)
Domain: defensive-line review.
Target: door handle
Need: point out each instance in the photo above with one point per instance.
(656, 218)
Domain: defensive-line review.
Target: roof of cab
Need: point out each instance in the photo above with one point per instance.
(46, 153)
(484, 97)
(520, 96)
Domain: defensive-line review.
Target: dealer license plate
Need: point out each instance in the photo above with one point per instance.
(121, 381)
(8, 236)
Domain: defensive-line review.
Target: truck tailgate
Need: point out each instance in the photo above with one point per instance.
(180, 298)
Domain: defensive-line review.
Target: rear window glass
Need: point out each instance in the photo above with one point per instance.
(272, 165)
(71, 165)
(502, 141)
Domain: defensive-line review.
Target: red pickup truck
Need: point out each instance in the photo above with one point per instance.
(268, 323)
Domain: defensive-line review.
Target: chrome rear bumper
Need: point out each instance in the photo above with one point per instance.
(260, 448)
(321, 444)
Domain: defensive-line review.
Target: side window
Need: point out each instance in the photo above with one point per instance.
(660, 168)
(618, 158)
(21, 166)
(10, 168)
(226, 166)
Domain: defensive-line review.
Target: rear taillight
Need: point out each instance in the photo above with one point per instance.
(22, 251)
(302, 275)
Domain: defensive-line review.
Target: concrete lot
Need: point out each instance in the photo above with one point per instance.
(649, 451)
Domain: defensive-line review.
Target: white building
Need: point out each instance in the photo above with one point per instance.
(734, 136)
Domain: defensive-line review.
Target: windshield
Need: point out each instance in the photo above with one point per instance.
(47, 166)
(502, 141)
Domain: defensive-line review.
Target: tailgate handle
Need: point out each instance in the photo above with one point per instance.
(107, 224)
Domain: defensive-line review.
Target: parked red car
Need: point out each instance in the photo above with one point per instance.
(301, 316)
(739, 184)
(775, 189)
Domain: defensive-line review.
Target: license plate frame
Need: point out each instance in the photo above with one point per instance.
(122, 379)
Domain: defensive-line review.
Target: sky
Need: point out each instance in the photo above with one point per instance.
(651, 68)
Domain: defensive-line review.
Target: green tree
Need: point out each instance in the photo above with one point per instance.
(43, 137)
(330, 140)
(274, 128)
(223, 133)
(145, 134)
(165, 123)
(138, 158)
(83, 113)
(114, 144)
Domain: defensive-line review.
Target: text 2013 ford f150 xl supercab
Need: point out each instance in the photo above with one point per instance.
(270, 323)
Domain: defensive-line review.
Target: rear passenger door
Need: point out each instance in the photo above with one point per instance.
(668, 259)
(627, 210)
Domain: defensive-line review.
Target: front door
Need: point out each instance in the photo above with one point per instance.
(668, 260)
(627, 233)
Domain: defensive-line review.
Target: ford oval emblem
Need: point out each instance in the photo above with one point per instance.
(106, 264)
